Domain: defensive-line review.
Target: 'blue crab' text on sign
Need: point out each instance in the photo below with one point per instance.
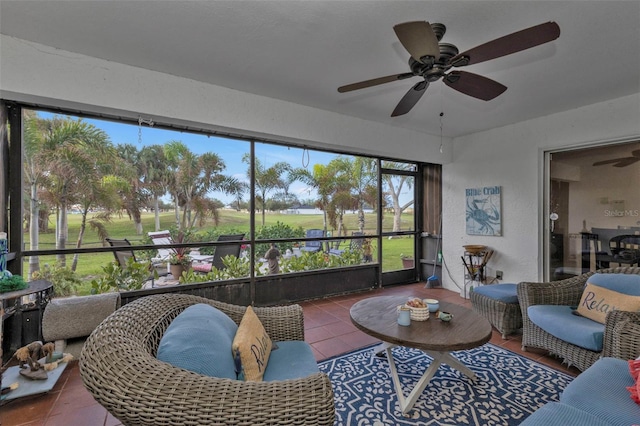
(483, 211)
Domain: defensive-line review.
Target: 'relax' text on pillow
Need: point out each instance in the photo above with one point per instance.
(597, 301)
(252, 347)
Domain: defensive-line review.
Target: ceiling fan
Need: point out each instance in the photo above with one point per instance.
(623, 161)
(432, 60)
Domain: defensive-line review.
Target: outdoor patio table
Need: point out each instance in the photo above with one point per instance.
(377, 316)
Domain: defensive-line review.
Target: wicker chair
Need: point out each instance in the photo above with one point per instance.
(622, 329)
(505, 317)
(119, 368)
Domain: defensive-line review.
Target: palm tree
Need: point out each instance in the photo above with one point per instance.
(341, 197)
(365, 186)
(154, 164)
(194, 177)
(283, 198)
(100, 190)
(321, 179)
(134, 196)
(35, 174)
(265, 179)
(68, 150)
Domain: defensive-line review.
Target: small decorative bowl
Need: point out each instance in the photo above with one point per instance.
(432, 304)
(445, 316)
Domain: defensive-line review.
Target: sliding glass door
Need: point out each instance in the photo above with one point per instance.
(592, 209)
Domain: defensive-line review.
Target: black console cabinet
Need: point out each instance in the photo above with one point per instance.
(22, 316)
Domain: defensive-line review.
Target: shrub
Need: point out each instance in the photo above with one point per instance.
(65, 281)
(131, 277)
(277, 231)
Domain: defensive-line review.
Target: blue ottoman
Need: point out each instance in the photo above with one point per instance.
(498, 303)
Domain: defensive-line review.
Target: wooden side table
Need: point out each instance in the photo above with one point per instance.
(19, 310)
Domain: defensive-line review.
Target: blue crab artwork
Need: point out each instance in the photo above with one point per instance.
(483, 211)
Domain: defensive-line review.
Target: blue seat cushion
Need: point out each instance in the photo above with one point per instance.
(559, 321)
(621, 283)
(291, 360)
(199, 340)
(557, 414)
(602, 390)
(506, 293)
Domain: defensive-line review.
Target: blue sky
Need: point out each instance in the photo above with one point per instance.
(230, 150)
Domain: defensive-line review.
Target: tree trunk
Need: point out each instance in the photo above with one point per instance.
(397, 212)
(397, 222)
(34, 230)
(156, 209)
(44, 220)
(176, 211)
(62, 232)
(83, 227)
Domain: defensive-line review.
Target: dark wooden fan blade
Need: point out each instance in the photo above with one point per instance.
(374, 82)
(419, 39)
(411, 98)
(474, 85)
(615, 160)
(508, 44)
(636, 153)
(626, 162)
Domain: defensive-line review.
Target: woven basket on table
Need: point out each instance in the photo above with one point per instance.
(417, 314)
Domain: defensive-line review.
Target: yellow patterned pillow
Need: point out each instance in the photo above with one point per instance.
(252, 346)
(597, 301)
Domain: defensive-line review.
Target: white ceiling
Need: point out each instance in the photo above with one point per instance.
(301, 51)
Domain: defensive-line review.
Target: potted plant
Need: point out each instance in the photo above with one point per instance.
(407, 261)
(179, 259)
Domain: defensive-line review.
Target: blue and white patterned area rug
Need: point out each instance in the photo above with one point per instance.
(507, 389)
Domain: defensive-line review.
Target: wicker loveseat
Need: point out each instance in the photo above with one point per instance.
(118, 366)
(621, 330)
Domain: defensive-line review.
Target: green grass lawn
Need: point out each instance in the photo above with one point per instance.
(90, 265)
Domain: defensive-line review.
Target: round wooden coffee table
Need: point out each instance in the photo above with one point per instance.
(377, 316)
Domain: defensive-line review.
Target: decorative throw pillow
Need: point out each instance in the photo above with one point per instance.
(252, 347)
(596, 301)
(634, 369)
(199, 340)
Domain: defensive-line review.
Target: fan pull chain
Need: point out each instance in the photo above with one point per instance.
(441, 115)
(305, 163)
(149, 122)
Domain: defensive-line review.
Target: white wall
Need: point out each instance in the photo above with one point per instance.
(32, 72)
(509, 157)
(512, 157)
(596, 198)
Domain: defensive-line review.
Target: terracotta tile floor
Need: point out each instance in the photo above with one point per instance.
(328, 330)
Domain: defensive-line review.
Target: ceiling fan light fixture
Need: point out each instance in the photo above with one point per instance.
(431, 59)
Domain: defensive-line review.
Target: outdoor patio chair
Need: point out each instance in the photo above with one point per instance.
(313, 246)
(122, 257)
(221, 251)
(354, 244)
(163, 238)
